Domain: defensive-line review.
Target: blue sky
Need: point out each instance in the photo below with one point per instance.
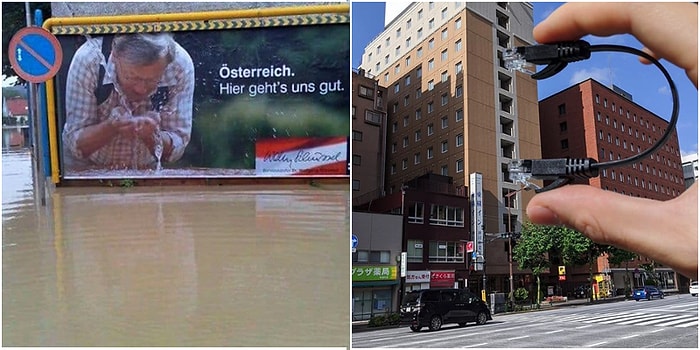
(645, 82)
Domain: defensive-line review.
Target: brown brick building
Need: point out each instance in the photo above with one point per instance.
(590, 120)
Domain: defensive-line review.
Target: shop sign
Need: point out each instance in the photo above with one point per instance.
(442, 279)
(418, 277)
(373, 273)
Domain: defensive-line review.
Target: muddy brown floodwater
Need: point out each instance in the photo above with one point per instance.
(174, 266)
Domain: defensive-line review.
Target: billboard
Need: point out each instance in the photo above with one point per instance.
(477, 205)
(265, 96)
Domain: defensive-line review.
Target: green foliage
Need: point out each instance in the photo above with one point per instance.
(521, 294)
(384, 320)
(617, 256)
(533, 247)
(127, 183)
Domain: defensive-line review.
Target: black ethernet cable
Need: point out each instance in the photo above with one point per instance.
(556, 56)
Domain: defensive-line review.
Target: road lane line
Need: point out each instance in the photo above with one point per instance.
(520, 337)
(631, 336)
(474, 345)
(596, 344)
(552, 332)
(582, 327)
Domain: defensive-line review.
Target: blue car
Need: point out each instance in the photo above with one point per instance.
(647, 292)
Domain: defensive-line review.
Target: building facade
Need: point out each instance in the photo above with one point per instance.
(452, 107)
(368, 137)
(690, 169)
(590, 120)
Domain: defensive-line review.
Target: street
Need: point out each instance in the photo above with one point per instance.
(671, 322)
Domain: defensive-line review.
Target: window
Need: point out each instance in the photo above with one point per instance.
(397, 88)
(420, 33)
(373, 117)
(430, 129)
(443, 146)
(445, 252)
(404, 164)
(431, 64)
(366, 92)
(431, 85)
(398, 32)
(444, 99)
(443, 55)
(597, 99)
(458, 67)
(408, 61)
(415, 248)
(417, 135)
(355, 185)
(431, 44)
(431, 23)
(394, 127)
(408, 24)
(429, 153)
(458, 90)
(459, 115)
(398, 51)
(443, 170)
(430, 107)
(443, 34)
(405, 121)
(443, 13)
(388, 42)
(562, 109)
(356, 135)
(405, 100)
(459, 140)
(419, 72)
(416, 158)
(458, 45)
(565, 144)
(444, 215)
(397, 69)
(407, 80)
(458, 23)
(393, 168)
(443, 77)
(356, 159)
(405, 141)
(562, 126)
(444, 122)
(393, 147)
(459, 165)
(418, 114)
(408, 45)
(419, 52)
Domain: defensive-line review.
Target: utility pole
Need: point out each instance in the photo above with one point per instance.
(509, 231)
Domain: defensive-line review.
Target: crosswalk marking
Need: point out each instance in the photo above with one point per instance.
(656, 319)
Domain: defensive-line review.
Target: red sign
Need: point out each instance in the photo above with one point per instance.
(562, 278)
(442, 279)
(470, 246)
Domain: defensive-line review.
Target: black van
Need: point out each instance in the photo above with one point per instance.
(435, 307)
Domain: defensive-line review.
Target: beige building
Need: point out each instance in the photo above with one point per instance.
(452, 107)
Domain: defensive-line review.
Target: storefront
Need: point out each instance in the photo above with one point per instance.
(374, 289)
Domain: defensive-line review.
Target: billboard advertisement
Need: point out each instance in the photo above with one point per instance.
(238, 97)
(476, 199)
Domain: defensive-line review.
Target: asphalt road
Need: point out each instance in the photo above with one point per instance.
(668, 323)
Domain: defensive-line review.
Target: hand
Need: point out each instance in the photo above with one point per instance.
(664, 231)
(146, 126)
(668, 30)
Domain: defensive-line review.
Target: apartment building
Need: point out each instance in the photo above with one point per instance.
(368, 137)
(453, 109)
(591, 120)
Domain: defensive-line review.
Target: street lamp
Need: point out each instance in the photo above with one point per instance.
(510, 242)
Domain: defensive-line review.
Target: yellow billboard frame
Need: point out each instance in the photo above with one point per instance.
(152, 21)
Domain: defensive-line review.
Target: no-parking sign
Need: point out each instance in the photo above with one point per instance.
(35, 54)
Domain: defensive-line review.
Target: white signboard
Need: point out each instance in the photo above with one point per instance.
(418, 277)
(477, 205)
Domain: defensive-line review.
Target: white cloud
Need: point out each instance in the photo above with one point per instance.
(693, 151)
(665, 90)
(602, 75)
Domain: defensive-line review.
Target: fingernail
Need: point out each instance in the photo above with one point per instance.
(543, 216)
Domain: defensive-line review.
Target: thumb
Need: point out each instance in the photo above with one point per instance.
(655, 229)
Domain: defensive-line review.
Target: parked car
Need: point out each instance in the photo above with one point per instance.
(433, 308)
(694, 288)
(647, 292)
(582, 291)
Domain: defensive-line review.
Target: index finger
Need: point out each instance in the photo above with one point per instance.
(669, 30)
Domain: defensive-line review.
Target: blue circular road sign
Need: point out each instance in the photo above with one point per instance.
(35, 54)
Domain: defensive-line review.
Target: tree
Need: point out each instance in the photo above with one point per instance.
(617, 257)
(532, 250)
(13, 19)
(577, 249)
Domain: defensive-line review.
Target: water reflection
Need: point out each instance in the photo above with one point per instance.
(199, 266)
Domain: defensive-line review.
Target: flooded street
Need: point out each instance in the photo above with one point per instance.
(174, 266)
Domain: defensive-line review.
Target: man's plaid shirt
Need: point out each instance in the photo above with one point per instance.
(82, 109)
